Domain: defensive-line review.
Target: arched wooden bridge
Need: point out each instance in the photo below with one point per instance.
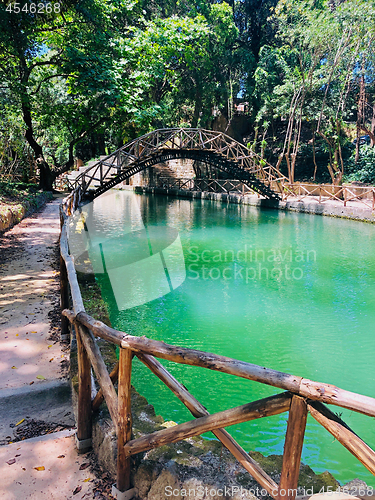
(206, 146)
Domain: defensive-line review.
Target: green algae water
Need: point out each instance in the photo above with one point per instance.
(292, 292)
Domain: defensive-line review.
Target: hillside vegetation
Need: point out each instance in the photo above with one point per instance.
(291, 79)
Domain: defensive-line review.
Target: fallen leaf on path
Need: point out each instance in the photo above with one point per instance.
(77, 490)
(40, 377)
(14, 368)
(20, 422)
(34, 332)
(51, 359)
(87, 480)
(40, 468)
(84, 466)
(49, 346)
(31, 383)
(61, 456)
(11, 461)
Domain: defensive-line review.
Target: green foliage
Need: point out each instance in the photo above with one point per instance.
(182, 66)
(364, 170)
(88, 79)
(14, 188)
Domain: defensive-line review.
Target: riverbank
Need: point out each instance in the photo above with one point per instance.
(310, 205)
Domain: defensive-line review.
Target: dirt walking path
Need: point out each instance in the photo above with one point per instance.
(35, 394)
(29, 352)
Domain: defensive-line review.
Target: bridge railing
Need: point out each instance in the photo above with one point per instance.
(176, 139)
(300, 397)
(364, 195)
(297, 191)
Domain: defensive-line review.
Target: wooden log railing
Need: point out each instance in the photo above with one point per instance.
(302, 396)
(297, 191)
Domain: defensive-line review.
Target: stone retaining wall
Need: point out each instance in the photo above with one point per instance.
(13, 214)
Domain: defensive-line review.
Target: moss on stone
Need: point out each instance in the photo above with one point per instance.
(92, 298)
(308, 479)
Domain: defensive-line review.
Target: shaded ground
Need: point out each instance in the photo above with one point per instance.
(28, 291)
(35, 394)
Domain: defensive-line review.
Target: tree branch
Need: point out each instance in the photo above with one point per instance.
(53, 60)
(368, 132)
(49, 78)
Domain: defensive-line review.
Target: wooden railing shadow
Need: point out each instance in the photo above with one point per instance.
(300, 395)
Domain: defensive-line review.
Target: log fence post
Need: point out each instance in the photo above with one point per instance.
(84, 421)
(293, 448)
(122, 490)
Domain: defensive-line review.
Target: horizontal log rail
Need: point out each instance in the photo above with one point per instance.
(258, 409)
(318, 391)
(301, 396)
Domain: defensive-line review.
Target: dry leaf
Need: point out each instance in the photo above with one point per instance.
(61, 456)
(84, 466)
(39, 468)
(14, 367)
(49, 346)
(40, 377)
(31, 383)
(77, 490)
(11, 461)
(87, 480)
(51, 359)
(34, 332)
(20, 422)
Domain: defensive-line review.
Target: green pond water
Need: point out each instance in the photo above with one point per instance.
(292, 292)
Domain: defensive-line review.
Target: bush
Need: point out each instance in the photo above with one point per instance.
(16, 189)
(364, 170)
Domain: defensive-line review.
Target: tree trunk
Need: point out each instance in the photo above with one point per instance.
(46, 176)
(356, 158)
(329, 166)
(197, 109)
(314, 156)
